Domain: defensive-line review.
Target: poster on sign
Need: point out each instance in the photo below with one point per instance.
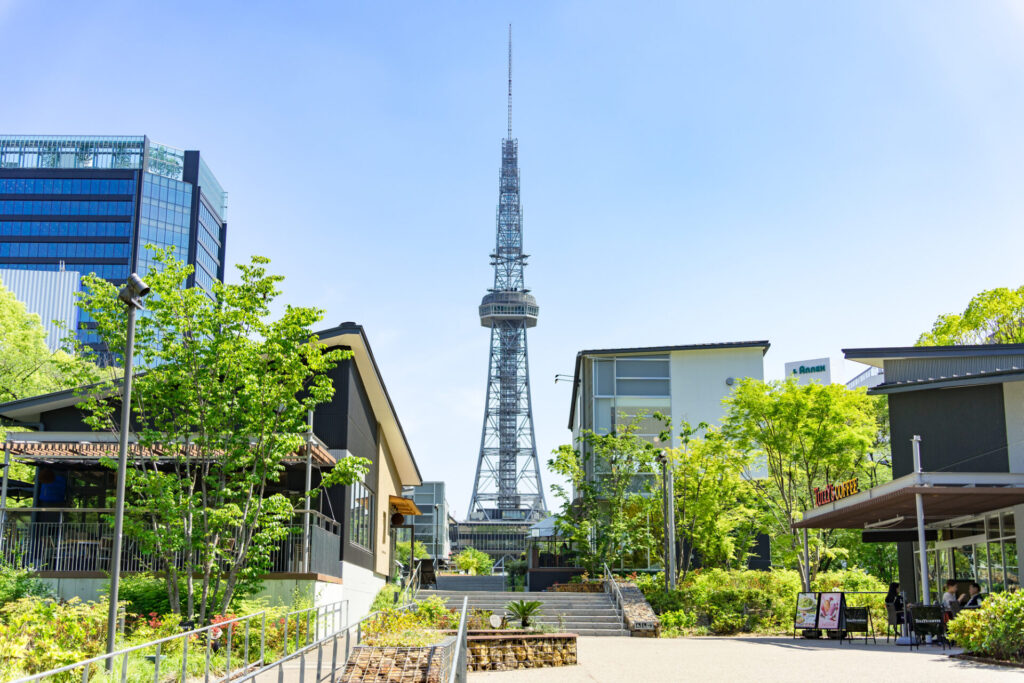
(806, 610)
(830, 609)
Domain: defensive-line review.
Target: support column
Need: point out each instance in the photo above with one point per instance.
(921, 543)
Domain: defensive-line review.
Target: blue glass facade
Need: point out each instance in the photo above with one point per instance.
(92, 204)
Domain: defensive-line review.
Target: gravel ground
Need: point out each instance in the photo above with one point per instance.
(761, 660)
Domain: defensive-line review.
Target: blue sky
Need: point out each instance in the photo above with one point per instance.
(822, 175)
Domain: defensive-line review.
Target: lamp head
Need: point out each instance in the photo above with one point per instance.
(133, 291)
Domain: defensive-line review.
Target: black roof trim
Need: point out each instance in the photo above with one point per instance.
(684, 347)
(353, 328)
(964, 351)
(763, 344)
(954, 381)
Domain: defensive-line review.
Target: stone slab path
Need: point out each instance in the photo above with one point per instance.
(759, 660)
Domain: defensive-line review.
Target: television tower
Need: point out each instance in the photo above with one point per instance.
(507, 486)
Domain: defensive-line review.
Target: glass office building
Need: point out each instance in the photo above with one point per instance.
(92, 203)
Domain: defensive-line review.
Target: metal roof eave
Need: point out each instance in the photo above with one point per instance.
(354, 336)
(763, 344)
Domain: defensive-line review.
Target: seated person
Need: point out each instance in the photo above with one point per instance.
(895, 599)
(950, 601)
(974, 598)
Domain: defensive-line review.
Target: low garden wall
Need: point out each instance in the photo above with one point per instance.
(431, 664)
(586, 587)
(640, 618)
(505, 650)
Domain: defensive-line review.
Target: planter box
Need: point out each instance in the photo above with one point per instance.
(588, 587)
(511, 650)
(432, 664)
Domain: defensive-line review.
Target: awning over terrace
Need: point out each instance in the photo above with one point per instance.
(946, 496)
(88, 447)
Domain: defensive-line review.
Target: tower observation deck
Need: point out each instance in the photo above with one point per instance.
(508, 485)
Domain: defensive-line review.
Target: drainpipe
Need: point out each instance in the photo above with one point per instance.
(923, 557)
(309, 484)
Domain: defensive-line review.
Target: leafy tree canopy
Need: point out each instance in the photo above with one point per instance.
(995, 316)
(799, 437)
(221, 406)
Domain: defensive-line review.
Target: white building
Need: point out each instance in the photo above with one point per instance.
(48, 294)
(688, 383)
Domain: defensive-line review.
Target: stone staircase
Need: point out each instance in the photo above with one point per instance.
(585, 614)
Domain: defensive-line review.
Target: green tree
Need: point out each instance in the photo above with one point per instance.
(419, 551)
(799, 437)
(606, 513)
(473, 561)
(716, 518)
(995, 316)
(222, 404)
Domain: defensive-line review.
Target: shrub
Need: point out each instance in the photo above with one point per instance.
(16, 584)
(385, 597)
(38, 635)
(996, 629)
(725, 602)
(144, 594)
(395, 627)
(434, 613)
(473, 561)
(676, 622)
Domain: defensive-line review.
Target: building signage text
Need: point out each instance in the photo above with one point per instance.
(834, 492)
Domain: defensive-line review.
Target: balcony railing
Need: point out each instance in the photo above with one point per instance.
(81, 540)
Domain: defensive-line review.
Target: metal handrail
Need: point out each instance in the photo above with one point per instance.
(300, 653)
(211, 633)
(609, 577)
(459, 664)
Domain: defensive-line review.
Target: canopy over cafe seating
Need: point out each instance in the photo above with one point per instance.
(956, 419)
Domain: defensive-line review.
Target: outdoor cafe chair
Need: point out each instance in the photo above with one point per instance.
(893, 621)
(927, 620)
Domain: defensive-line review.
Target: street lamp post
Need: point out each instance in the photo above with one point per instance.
(668, 480)
(131, 294)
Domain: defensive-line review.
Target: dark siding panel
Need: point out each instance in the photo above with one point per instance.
(65, 420)
(957, 426)
(330, 420)
(362, 426)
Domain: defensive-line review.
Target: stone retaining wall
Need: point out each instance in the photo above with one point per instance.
(640, 618)
(511, 650)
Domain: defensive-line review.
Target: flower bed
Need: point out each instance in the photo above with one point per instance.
(497, 650)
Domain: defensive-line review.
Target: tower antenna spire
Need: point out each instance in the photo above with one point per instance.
(509, 82)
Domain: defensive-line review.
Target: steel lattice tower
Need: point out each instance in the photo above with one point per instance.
(507, 486)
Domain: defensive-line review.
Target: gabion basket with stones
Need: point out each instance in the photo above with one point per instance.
(431, 664)
(507, 654)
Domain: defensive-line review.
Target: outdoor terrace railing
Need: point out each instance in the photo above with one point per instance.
(81, 540)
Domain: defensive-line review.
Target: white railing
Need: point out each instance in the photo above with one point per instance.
(461, 654)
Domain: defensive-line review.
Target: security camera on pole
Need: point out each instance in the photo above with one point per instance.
(131, 294)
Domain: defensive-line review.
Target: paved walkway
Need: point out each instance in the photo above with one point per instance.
(760, 660)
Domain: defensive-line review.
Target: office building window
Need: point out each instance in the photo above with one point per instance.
(361, 516)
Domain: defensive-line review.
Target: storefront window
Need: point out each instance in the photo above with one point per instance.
(984, 551)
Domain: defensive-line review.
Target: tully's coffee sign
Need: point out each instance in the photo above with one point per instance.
(834, 492)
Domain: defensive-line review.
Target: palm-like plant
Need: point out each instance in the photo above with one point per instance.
(524, 610)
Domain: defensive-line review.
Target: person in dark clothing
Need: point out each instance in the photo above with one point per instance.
(974, 597)
(895, 598)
